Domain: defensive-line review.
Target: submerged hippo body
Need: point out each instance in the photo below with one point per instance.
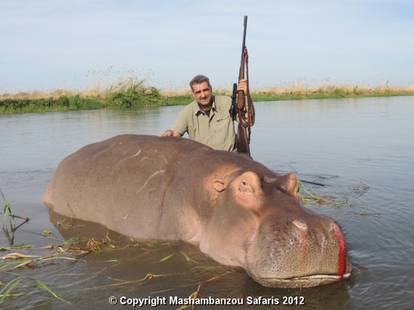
(239, 212)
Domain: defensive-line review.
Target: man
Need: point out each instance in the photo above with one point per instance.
(207, 119)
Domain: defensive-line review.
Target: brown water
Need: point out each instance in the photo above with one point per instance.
(361, 149)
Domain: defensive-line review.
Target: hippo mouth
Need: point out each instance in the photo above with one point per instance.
(302, 281)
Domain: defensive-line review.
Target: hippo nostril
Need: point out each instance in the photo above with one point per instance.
(300, 225)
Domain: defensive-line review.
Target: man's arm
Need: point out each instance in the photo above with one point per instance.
(241, 86)
(180, 126)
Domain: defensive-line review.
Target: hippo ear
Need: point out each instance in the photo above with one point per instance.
(289, 184)
(269, 179)
(219, 185)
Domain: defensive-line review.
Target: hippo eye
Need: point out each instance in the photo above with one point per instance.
(245, 187)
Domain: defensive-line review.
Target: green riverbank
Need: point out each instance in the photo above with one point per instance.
(134, 95)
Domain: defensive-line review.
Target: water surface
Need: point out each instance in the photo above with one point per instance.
(362, 149)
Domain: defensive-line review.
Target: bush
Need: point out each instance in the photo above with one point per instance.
(132, 94)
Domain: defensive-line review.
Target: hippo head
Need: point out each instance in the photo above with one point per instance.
(258, 223)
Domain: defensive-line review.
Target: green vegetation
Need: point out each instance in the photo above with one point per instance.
(132, 93)
(331, 91)
(127, 94)
(17, 283)
(9, 224)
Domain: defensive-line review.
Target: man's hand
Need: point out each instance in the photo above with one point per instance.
(170, 133)
(242, 86)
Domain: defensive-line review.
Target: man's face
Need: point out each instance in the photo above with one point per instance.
(202, 93)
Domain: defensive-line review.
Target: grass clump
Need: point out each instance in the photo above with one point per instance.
(9, 224)
(8, 290)
(131, 93)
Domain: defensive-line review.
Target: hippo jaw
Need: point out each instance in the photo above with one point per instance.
(299, 256)
(300, 282)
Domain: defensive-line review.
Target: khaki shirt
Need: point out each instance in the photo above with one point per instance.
(215, 130)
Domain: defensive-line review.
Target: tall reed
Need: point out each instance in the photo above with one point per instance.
(131, 93)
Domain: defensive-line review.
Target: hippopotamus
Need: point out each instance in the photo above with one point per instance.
(236, 210)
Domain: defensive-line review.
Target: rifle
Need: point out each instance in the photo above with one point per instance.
(242, 104)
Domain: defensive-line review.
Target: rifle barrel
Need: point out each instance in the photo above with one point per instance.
(243, 43)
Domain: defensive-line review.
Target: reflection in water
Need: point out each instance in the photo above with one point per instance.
(167, 269)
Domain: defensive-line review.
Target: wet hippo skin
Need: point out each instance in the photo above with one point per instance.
(236, 210)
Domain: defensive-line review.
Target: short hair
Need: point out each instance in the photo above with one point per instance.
(198, 79)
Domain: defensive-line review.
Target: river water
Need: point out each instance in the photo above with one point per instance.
(361, 149)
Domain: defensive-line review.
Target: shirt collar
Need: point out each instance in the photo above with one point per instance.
(199, 111)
